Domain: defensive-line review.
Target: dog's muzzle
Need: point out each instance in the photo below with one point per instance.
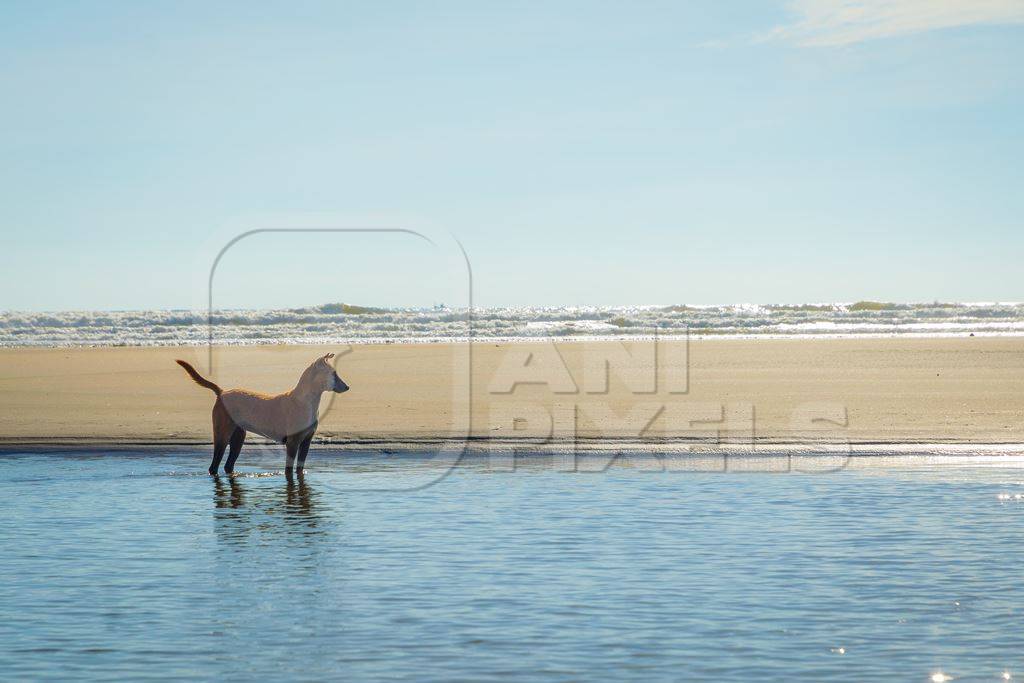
(339, 386)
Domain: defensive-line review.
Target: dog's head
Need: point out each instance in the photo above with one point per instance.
(326, 377)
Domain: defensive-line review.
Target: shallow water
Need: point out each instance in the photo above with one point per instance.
(136, 565)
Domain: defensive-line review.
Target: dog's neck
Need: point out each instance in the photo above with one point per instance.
(306, 391)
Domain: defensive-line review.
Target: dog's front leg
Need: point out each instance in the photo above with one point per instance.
(291, 446)
(304, 449)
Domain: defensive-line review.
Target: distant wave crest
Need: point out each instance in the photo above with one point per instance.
(340, 323)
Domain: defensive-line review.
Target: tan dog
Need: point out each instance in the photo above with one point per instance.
(289, 418)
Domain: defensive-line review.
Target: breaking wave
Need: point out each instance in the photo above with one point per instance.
(340, 323)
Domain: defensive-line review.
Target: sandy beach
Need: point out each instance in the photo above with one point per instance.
(766, 390)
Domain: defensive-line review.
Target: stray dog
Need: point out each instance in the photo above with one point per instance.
(289, 418)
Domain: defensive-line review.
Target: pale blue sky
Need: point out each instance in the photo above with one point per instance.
(582, 152)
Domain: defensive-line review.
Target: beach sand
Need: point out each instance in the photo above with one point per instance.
(768, 390)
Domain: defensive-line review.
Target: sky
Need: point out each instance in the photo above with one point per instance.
(581, 153)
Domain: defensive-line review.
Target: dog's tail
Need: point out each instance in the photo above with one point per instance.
(199, 379)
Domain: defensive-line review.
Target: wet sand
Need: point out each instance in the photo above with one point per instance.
(406, 395)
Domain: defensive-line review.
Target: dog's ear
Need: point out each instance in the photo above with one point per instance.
(328, 356)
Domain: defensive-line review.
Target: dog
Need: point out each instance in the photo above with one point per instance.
(289, 418)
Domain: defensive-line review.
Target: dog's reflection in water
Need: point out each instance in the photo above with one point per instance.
(299, 498)
(244, 508)
(231, 496)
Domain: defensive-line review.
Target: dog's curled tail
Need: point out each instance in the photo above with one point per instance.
(199, 379)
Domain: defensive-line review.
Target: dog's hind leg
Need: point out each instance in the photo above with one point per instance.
(218, 453)
(237, 439)
(304, 450)
(223, 428)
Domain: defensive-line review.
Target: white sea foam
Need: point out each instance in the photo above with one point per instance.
(330, 325)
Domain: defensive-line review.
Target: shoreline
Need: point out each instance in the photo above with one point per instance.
(485, 448)
(967, 333)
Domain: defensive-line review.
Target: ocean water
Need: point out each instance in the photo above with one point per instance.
(137, 565)
(336, 323)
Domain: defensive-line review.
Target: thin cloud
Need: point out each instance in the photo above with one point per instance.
(824, 23)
